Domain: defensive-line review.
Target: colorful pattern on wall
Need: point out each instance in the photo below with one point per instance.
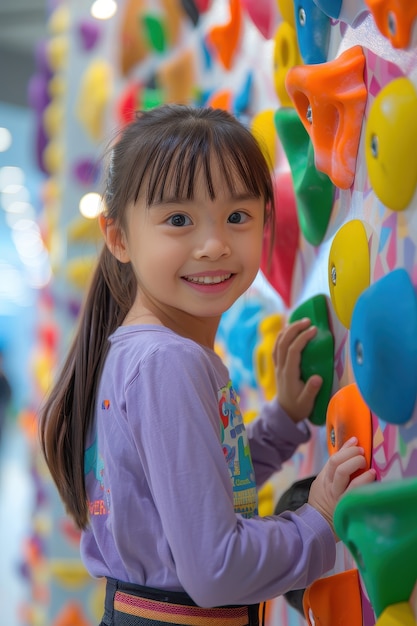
(330, 90)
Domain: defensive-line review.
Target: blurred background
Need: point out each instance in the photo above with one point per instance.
(22, 27)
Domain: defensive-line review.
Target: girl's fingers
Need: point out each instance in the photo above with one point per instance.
(309, 393)
(352, 441)
(346, 462)
(293, 355)
(335, 478)
(363, 479)
(348, 451)
(343, 473)
(288, 336)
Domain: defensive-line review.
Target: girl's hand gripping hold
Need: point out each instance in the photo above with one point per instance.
(296, 397)
(334, 478)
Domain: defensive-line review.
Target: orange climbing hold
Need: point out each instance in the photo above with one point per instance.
(177, 78)
(395, 19)
(348, 415)
(173, 20)
(222, 99)
(71, 615)
(330, 99)
(225, 37)
(334, 600)
(132, 47)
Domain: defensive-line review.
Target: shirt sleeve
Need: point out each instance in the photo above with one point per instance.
(220, 557)
(273, 439)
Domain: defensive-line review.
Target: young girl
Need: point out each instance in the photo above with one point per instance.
(142, 432)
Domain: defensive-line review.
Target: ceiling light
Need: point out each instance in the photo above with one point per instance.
(90, 205)
(103, 9)
(5, 139)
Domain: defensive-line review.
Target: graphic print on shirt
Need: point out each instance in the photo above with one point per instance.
(237, 454)
(94, 464)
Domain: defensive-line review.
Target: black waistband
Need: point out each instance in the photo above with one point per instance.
(151, 593)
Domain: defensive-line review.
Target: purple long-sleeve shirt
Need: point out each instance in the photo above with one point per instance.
(171, 482)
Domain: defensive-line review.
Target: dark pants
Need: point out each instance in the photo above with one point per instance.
(114, 617)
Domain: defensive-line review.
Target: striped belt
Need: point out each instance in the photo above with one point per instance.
(170, 613)
(153, 606)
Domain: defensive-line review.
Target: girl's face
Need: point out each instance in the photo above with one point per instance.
(194, 258)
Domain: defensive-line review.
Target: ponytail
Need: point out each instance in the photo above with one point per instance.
(66, 416)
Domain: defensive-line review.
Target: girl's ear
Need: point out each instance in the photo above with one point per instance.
(114, 238)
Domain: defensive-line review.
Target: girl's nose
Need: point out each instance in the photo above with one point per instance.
(213, 246)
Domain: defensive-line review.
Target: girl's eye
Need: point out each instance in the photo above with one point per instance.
(238, 217)
(179, 220)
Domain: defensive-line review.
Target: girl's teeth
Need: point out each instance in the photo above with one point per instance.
(208, 280)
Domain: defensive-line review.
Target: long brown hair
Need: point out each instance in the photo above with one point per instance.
(160, 152)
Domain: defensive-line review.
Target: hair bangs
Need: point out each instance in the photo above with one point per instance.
(187, 159)
(244, 167)
(168, 152)
(176, 165)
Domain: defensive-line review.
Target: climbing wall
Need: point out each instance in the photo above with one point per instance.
(345, 74)
(330, 90)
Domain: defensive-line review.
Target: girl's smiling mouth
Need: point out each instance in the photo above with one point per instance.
(208, 280)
